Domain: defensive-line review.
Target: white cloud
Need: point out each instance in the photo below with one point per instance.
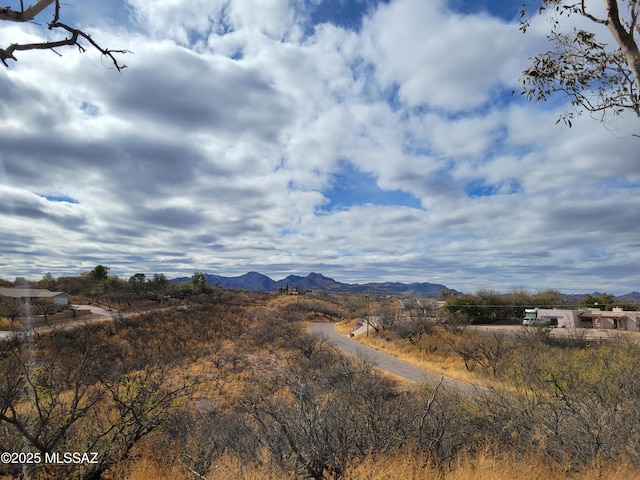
(467, 136)
(193, 22)
(215, 149)
(176, 20)
(440, 59)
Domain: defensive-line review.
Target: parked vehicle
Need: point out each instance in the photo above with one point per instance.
(533, 319)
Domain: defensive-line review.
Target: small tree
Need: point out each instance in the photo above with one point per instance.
(99, 273)
(137, 279)
(490, 351)
(415, 319)
(10, 309)
(47, 281)
(199, 283)
(159, 280)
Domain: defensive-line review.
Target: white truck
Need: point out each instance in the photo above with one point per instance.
(533, 317)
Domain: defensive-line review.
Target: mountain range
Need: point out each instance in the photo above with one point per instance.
(633, 297)
(314, 281)
(255, 281)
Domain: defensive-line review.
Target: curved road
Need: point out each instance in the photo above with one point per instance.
(387, 362)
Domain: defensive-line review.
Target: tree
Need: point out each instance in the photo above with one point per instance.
(99, 273)
(66, 395)
(75, 35)
(490, 351)
(199, 283)
(486, 306)
(10, 309)
(415, 320)
(137, 279)
(48, 281)
(596, 76)
(547, 299)
(159, 280)
(446, 294)
(604, 301)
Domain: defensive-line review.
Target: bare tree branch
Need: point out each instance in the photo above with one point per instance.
(24, 15)
(584, 13)
(74, 39)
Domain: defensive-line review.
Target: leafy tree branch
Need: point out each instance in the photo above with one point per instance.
(597, 77)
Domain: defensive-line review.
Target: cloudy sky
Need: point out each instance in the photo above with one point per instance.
(361, 139)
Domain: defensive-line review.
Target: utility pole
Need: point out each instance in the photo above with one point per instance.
(368, 317)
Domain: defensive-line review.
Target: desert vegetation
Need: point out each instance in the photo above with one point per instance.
(210, 383)
(567, 398)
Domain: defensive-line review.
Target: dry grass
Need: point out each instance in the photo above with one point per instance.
(229, 467)
(346, 326)
(147, 469)
(488, 465)
(226, 467)
(438, 361)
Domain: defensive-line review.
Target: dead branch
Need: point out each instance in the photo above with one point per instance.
(74, 39)
(24, 15)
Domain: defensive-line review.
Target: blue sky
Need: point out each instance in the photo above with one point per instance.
(507, 10)
(350, 187)
(366, 140)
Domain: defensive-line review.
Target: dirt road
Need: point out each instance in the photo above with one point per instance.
(98, 315)
(387, 362)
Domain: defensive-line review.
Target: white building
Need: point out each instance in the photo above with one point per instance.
(616, 319)
(553, 317)
(34, 295)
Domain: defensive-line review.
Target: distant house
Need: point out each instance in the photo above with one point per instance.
(616, 319)
(413, 308)
(34, 295)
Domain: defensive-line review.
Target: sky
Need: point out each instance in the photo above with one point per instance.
(365, 140)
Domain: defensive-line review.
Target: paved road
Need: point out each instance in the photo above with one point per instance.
(387, 362)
